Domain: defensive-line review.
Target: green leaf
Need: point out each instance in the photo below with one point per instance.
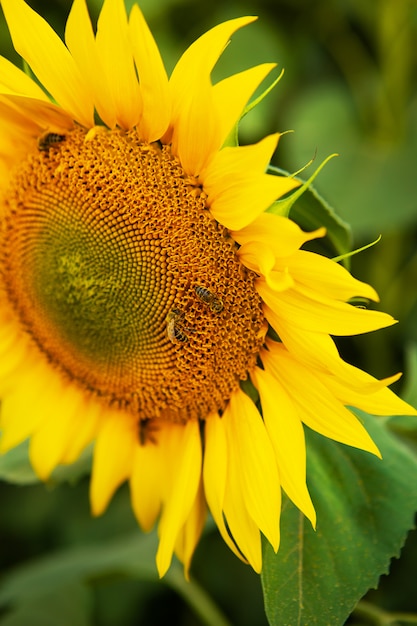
(365, 507)
(310, 211)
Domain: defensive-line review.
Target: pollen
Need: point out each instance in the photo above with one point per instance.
(121, 278)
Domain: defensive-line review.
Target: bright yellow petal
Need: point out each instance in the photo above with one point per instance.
(113, 458)
(244, 530)
(14, 80)
(215, 474)
(281, 235)
(245, 197)
(115, 54)
(262, 261)
(83, 430)
(379, 402)
(147, 483)
(182, 453)
(191, 531)
(230, 162)
(196, 133)
(304, 308)
(251, 450)
(317, 407)
(287, 436)
(153, 79)
(80, 40)
(49, 59)
(16, 128)
(43, 114)
(327, 277)
(199, 60)
(318, 350)
(12, 354)
(232, 94)
(48, 444)
(22, 409)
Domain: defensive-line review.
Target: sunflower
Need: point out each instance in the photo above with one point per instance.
(143, 281)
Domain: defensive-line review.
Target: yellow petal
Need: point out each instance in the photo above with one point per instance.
(317, 407)
(199, 60)
(11, 357)
(22, 410)
(283, 236)
(146, 483)
(83, 431)
(80, 40)
(182, 457)
(232, 94)
(48, 444)
(287, 436)
(191, 531)
(13, 80)
(245, 197)
(153, 79)
(44, 114)
(379, 402)
(329, 278)
(252, 453)
(304, 308)
(17, 129)
(262, 261)
(215, 474)
(196, 133)
(244, 530)
(49, 59)
(115, 54)
(318, 350)
(113, 457)
(229, 162)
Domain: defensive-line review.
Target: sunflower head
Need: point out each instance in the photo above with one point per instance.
(140, 274)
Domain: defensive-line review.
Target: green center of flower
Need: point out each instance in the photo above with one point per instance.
(124, 281)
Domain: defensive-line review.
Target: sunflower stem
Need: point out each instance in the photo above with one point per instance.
(373, 614)
(197, 599)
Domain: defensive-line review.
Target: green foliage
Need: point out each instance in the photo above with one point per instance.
(57, 590)
(310, 211)
(373, 182)
(365, 507)
(65, 606)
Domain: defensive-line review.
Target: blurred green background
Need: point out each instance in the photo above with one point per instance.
(349, 87)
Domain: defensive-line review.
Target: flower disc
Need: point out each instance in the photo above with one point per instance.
(123, 279)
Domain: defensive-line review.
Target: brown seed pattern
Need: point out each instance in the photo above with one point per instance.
(102, 239)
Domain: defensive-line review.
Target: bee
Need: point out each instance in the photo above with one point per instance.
(146, 431)
(214, 303)
(47, 140)
(175, 329)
